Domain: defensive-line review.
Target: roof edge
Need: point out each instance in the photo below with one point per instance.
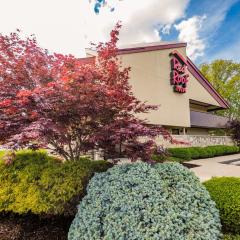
(122, 51)
(206, 84)
(150, 48)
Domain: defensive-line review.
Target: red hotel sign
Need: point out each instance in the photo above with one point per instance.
(179, 76)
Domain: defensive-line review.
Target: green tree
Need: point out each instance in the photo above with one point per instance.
(225, 77)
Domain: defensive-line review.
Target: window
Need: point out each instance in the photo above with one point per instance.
(175, 131)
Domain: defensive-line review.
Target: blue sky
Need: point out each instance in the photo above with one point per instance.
(210, 27)
(220, 28)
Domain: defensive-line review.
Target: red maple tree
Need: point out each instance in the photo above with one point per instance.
(71, 105)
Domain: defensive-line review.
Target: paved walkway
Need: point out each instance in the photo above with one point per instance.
(228, 166)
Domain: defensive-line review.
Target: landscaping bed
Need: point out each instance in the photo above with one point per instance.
(39, 194)
(32, 227)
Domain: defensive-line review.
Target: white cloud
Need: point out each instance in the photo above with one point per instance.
(145, 17)
(189, 31)
(68, 26)
(166, 29)
(216, 13)
(200, 31)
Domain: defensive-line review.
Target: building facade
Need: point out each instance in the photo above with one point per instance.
(162, 74)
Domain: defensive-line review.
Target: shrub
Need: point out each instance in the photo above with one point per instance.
(232, 149)
(2, 153)
(205, 152)
(143, 201)
(225, 191)
(182, 153)
(194, 152)
(158, 158)
(223, 150)
(217, 150)
(38, 183)
(202, 152)
(231, 237)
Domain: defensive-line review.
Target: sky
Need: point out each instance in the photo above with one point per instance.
(211, 28)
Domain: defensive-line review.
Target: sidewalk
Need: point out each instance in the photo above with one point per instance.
(228, 166)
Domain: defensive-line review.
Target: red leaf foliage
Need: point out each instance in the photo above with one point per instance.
(69, 105)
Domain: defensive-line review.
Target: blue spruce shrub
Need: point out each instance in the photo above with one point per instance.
(143, 201)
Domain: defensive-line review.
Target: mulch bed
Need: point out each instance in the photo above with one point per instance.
(31, 227)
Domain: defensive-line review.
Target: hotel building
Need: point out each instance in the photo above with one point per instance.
(162, 74)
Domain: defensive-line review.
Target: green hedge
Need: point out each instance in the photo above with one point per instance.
(225, 191)
(38, 183)
(182, 153)
(231, 237)
(202, 152)
(144, 201)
